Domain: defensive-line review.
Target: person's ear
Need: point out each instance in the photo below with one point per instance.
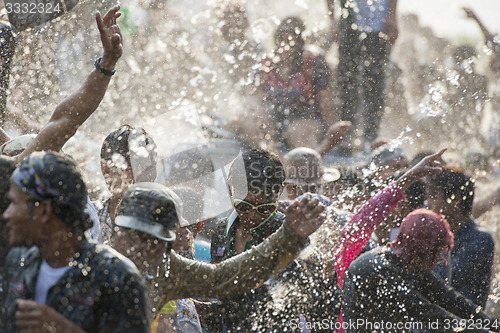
(46, 210)
(42, 211)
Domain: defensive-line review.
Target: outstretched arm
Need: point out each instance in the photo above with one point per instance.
(483, 205)
(357, 232)
(76, 108)
(189, 278)
(488, 36)
(426, 167)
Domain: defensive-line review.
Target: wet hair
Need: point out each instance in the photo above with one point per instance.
(290, 24)
(455, 186)
(117, 144)
(263, 171)
(384, 155)
(234, 16)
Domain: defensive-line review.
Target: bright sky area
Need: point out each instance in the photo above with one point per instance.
(447, 19)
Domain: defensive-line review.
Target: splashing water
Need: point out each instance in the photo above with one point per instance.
(175, 69)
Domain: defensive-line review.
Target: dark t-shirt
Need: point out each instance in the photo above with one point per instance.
(379, 289)
(102, 292)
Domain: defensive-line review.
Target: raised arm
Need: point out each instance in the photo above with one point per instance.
(483, 205)
(488, 36)
(428, 166)
(189, 278)
(76, 108)
(357, 232)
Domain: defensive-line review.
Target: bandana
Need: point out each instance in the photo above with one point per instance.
(42, 177)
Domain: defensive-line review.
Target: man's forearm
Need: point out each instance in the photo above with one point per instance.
(237, 275)
(482, 206)
(488, 36)
(76, 108)
(70, 114)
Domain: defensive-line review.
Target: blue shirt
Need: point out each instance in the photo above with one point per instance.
(471, 263)
(370, 15)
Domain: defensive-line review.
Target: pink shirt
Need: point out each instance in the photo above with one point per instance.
(357, 232)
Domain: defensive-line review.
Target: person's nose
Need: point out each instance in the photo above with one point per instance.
(7, 213)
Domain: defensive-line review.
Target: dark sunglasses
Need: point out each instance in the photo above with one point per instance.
(243, 206)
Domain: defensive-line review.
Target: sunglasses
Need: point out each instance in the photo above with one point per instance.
(243, 206)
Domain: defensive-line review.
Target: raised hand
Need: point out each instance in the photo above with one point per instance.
(305, 216)
(70, 114)
(111, 37)
(469, 13)
(428, 166)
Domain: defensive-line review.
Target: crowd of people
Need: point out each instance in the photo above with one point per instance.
(389, 246)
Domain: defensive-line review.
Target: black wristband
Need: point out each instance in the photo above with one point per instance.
(97, 65)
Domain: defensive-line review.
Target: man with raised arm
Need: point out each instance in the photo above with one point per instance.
(70, 114)
(147, 218)
(490, 39)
